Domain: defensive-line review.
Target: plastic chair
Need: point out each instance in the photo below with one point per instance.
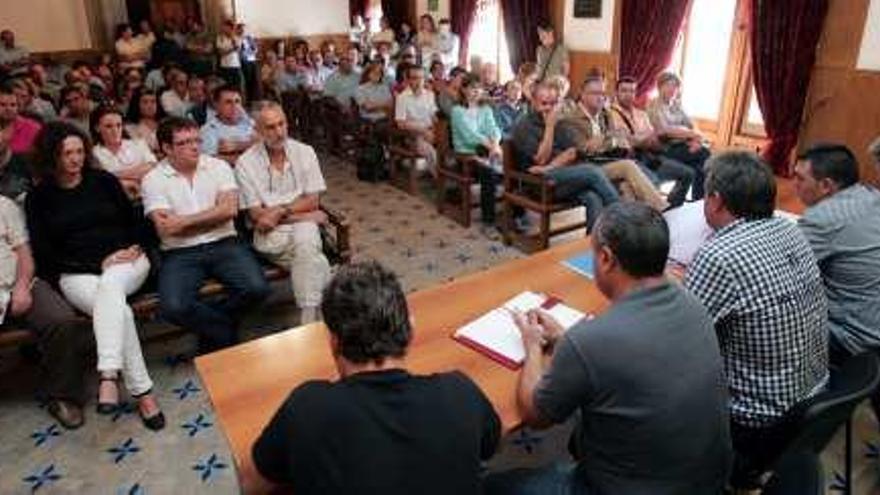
(813, 422)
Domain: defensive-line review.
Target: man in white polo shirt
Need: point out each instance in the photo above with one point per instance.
(415, 111)
(192, 199)
(280, 181)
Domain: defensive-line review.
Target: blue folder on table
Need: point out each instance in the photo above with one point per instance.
(582, 264)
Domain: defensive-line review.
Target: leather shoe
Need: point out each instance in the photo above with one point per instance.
(68, 414)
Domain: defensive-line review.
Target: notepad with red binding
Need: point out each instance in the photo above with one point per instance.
(495, 334)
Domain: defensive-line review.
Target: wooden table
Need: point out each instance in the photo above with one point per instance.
(247, 383)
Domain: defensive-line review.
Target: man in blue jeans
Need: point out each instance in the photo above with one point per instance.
(543, 145)
(192, 199)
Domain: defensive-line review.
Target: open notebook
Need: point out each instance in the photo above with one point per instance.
(495, 334)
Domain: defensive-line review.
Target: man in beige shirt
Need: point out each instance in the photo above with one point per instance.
(599, 144)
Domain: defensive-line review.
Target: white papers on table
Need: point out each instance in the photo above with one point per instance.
(496, 334)
(688, 230)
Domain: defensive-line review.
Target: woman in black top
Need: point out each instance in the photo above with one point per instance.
(83, 233)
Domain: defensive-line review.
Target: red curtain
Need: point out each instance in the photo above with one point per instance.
(462, 16)
(649, 30)
(521, 20)
(397, 12)
(784, 36)
(357, 7)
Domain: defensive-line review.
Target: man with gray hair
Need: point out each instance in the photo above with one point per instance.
(280, 181)
(759, 280)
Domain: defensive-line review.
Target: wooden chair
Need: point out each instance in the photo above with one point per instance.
(532, 193)
(457, 170)
(400, 149)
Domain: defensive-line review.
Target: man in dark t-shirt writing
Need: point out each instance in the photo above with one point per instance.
(646, 376)
(378, 429)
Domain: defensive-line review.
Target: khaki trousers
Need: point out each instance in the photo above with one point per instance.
(634, 183)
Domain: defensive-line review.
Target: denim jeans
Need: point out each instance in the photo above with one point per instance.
(184, 270)
(556, 479)
(680, 152)
(586, 184)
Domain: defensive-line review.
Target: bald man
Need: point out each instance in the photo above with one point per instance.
(280, 181)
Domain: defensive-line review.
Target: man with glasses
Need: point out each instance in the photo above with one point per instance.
(192, 200)
(231, 131)
(543, 145)
(416, 112)
(597, 142)
(280, 181)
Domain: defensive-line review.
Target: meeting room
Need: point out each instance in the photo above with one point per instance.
(573, 247)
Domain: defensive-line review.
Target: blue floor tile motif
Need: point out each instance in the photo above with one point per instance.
(41, 437)
(196, 425)
(46, 476)
(125, 449)
(207, 467)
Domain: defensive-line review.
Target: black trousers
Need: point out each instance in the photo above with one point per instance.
(251, 81)
(680, 151)
(66, 342)
(754, 450)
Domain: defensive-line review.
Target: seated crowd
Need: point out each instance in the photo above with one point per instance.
(144, 162)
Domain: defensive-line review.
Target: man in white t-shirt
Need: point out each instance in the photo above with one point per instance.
(228, 45)
(416, 111)
(192, 199)
(280, 181)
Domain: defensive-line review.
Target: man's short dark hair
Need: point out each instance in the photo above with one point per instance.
(171, 126)
(833, 161)
(637, 235)
(7, 88)
(626, 80)
(67, 90)
(225, 88)
(365, 308)
(744, 182)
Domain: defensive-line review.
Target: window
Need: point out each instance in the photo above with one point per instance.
(712, 56)
(487, 39)
(706, 55)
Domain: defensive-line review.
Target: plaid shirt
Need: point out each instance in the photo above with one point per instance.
(762, 286)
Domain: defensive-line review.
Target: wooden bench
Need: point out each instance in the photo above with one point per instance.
(146, 305)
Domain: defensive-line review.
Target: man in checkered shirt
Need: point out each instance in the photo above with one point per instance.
(760, 282)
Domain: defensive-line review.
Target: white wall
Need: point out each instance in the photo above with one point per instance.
(869, 55)
(47, 25)
(589, 35)
(273, 18)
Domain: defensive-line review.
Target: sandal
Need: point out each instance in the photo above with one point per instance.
(156, 421)
(108, 407)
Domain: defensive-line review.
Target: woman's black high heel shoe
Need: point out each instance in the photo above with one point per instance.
(106, 408)
(155, 422)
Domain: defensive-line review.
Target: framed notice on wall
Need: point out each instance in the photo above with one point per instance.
(588, 9)
(433, 5)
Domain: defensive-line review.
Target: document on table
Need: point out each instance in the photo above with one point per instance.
(496, 335)
(688, 230)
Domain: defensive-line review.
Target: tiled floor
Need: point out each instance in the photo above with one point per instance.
(116, 455)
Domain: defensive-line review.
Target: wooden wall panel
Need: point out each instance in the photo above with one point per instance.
(842, 104)
(582, 61)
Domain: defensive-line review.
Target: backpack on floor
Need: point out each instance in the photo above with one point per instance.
(371, 163)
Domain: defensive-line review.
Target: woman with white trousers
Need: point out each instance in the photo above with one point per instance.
(84, 235)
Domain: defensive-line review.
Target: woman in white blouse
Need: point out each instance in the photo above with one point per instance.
(128, 159)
